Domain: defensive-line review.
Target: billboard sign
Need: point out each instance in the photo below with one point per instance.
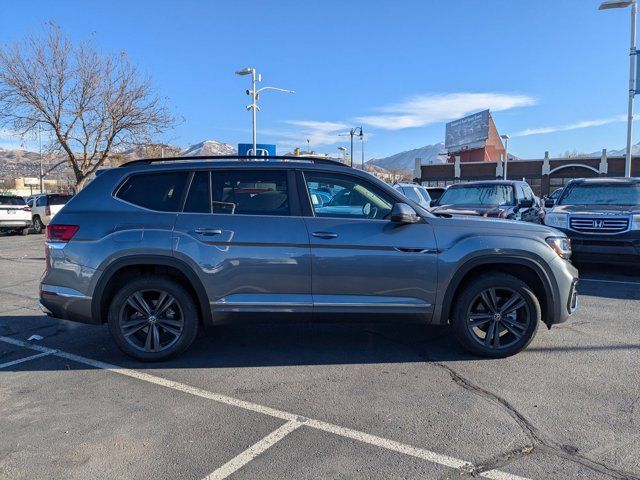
(262, 149)
(467, 131)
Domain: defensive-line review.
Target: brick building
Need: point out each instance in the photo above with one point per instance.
(544, 175)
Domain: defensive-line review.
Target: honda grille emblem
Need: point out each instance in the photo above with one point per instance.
(598, 223)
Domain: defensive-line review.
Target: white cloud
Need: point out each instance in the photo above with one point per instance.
(318, 133)
(571, 126)
(422, 110)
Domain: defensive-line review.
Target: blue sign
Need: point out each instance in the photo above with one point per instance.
(262, 149)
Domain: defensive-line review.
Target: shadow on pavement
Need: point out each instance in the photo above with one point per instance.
(254, 345)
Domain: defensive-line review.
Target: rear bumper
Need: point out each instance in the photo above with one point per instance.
(8, 224)
(65, 303)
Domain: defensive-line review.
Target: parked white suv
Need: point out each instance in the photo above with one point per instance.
(44, 207)
(15, 215)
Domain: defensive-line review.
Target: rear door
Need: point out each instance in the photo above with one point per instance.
(241, 230)
(361, 262)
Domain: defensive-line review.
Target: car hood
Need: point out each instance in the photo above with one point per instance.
(476, 210)
(495, 226)
(597, 209)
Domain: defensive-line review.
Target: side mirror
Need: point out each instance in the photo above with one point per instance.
(433, 203)
(549, 202)
(401, 213)
(525, 203)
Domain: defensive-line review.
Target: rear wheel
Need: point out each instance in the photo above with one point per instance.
(153, 318)
(38, 226)
(496, 315)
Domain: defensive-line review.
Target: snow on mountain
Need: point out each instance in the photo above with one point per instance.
(404, 161)
(209, 147)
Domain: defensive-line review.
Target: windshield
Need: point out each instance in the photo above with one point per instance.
(12, 201)
(601, 194)
(478, 195)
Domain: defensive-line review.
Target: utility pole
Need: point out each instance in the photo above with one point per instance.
(351, 133)
(41, 171)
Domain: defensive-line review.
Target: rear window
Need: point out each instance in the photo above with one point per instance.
(59, 199)
(478, 195)
(155, 191)
(12, 201)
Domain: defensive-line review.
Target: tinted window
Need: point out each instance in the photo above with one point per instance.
(256, 192)
(155, 191)
(12, 201)
(199, 198)
(59, 199)
(478, 195)
(601, 194)
(350, 197)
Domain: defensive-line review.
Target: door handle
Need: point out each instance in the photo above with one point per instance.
(208, 231)
(325, 235)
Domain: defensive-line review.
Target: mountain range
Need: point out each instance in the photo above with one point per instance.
(404, 161)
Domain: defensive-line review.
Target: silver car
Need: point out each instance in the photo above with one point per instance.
(159, 248)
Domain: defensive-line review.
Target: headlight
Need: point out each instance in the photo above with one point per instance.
(560, 245)
(635, 224)
(558, 220)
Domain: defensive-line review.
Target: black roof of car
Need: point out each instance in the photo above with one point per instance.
(235, 160)
(487, 182)
(606, 180)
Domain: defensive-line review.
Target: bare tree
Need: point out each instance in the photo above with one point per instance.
(91, 105)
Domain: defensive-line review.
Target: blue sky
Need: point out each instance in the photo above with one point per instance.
(554, 72)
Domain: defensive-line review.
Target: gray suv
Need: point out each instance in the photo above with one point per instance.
(159, 248)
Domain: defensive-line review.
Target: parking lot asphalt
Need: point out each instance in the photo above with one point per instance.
(319, 400)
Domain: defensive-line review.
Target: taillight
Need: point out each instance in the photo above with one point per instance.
(61, 233)
(47, 211)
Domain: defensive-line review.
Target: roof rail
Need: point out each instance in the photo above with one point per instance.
(318, 160)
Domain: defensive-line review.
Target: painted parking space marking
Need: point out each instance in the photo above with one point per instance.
(291, 418)
(622, 282)
(253, 451)
(25, 359)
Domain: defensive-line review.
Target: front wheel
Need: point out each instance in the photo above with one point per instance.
(153, 318)
(496, 315)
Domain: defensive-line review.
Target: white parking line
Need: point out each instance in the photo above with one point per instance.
(291, 418)
(26, 359)
(582, 279)
(253, 451)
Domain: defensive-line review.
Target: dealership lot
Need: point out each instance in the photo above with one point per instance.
(319, 401)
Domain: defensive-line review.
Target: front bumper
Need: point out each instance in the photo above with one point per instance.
(566, 279)
(609, 248)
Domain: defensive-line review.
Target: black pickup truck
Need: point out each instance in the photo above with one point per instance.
(602, 218)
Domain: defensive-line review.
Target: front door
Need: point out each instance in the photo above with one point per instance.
(361, 261)
(250, 248)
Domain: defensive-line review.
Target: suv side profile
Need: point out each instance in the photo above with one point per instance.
(44, 207)
(157, 249)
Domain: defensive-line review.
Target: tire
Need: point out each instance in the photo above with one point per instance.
(38, 226)
(141, 332)
(500, 324)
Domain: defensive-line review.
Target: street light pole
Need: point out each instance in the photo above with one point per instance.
(505, 137)
(609, 4)
(351, 133)
(41, 172)
(632, 90)
(362, 144)
(255, 94)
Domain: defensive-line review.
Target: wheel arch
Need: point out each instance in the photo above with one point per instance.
(525, 268)
(158, 264)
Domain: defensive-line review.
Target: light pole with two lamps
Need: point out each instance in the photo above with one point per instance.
(633, 53)
(255, 94)
(351, 133)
